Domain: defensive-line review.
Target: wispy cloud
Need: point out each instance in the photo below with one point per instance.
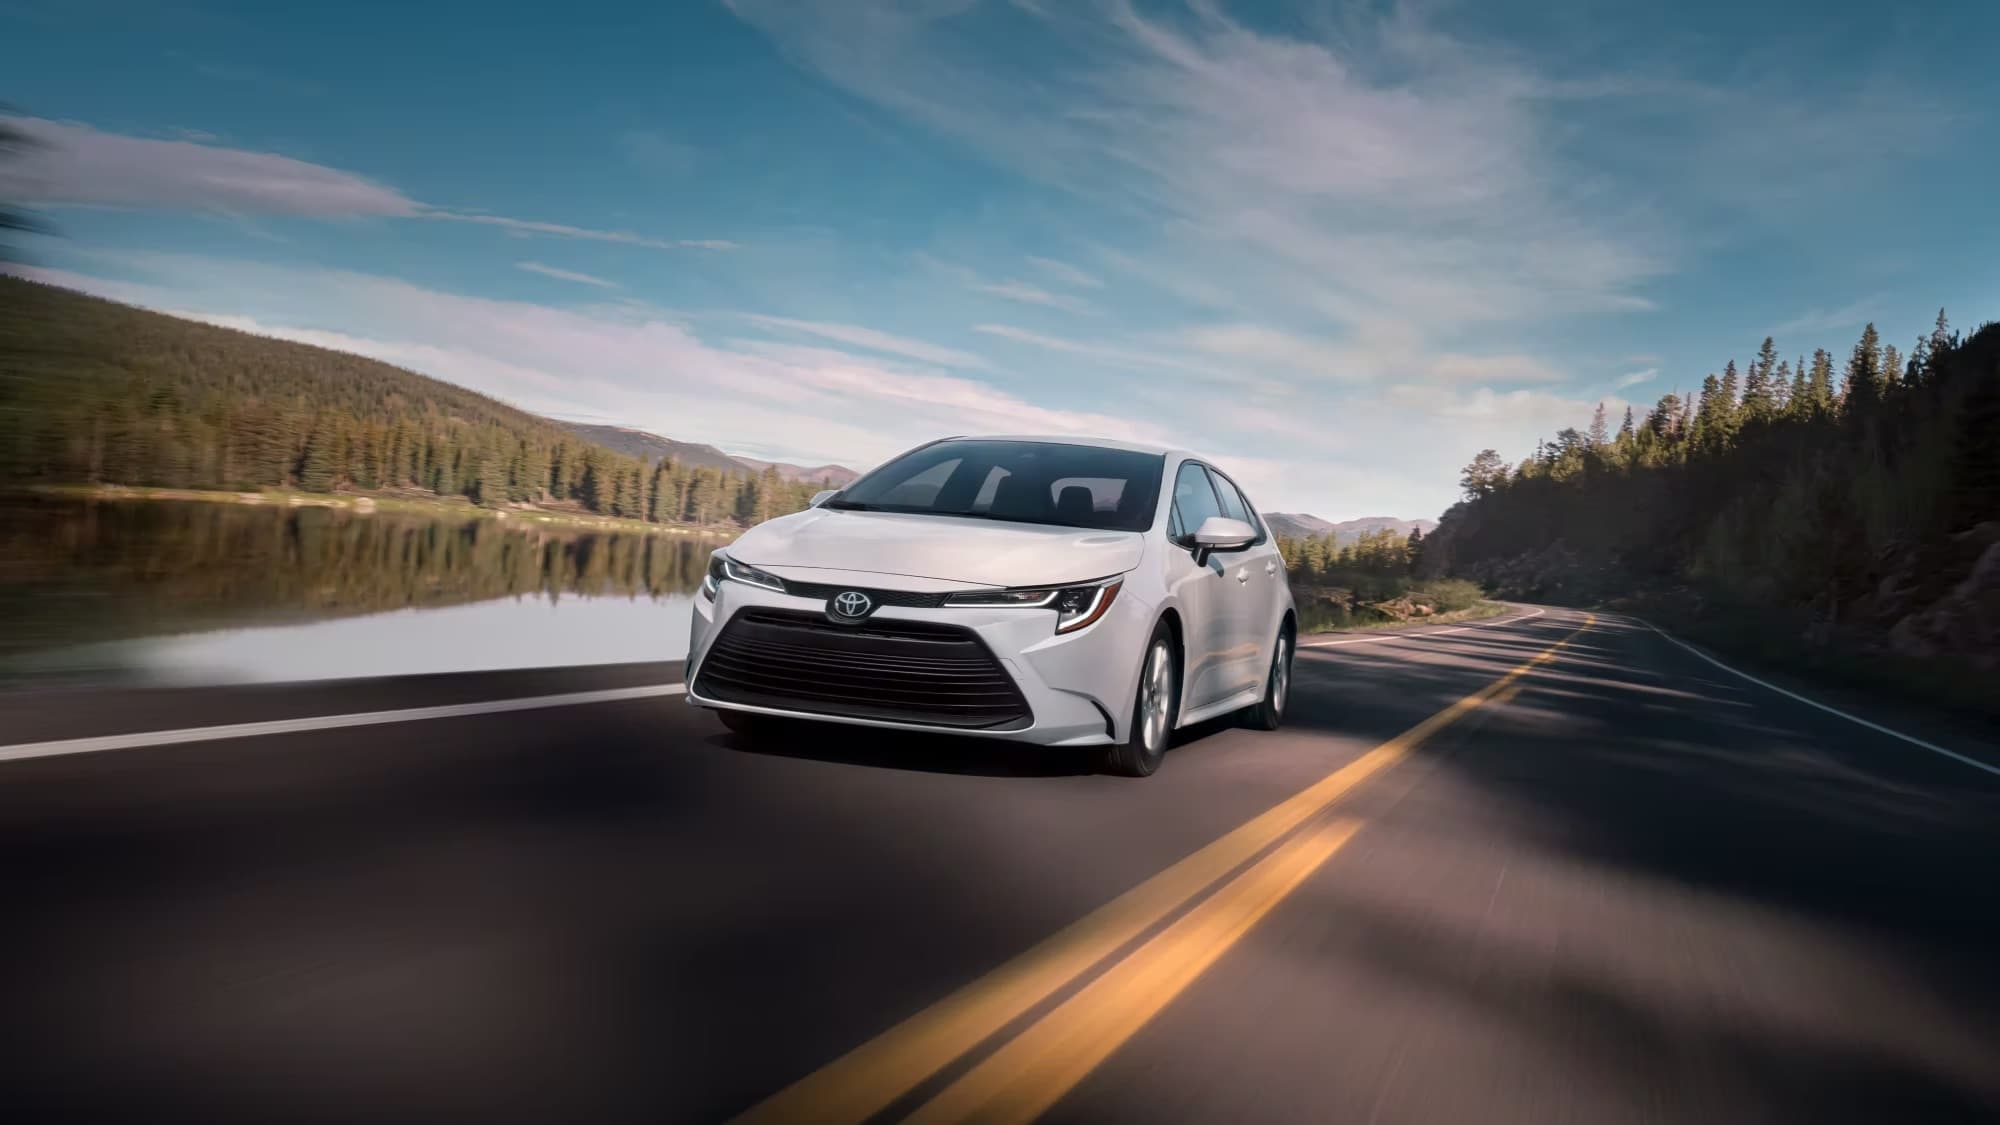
(1011, 290)
(1115, 355)
(74, 164)
(564, 230)
(874, 340)
(1634, 378)
(1851, 315)
(1506, 368)
(1269, 347)
(1031, 295)
(566, 275)
(1066, 273)
(1272, 148)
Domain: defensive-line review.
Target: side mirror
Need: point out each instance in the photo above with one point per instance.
(822, 496)
(1220, 533)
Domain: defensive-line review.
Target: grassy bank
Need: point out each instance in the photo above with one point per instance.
(1479, 612)
(456, 507)
(1360, 600)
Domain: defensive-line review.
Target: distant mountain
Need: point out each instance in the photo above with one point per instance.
(813, 474)
(1298, 525)
(653, 447)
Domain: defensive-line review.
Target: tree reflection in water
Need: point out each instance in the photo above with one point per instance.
(81, 571)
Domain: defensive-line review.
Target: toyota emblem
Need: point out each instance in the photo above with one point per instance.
(851, 604)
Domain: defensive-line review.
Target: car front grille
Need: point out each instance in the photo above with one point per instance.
(897, 671)
(906, 599)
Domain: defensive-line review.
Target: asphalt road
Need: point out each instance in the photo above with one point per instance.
(1549, 870)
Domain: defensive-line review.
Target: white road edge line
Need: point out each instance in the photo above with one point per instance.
(1877, 727)
(1419, 636)
(135, 740)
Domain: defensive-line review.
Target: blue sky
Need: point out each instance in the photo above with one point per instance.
(1340, 246)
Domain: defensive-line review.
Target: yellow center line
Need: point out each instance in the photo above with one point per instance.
(866, 1080)
(1021, 1080)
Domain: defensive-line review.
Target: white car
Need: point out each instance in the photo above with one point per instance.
(1057, 591)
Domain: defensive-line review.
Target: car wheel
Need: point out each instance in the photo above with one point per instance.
(745, 725)
(1153, 709)
(1277, 685)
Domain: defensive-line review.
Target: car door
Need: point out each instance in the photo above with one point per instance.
(1260, 573)
(1204, 593)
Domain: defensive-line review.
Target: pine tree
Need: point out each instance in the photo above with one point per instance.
(1892, 365)
(1759, 400)
(486, 489)
(1600, 432)
(1665, 418)
(1728, 409)
(591, 489)
(1820, 395)
(767, 495)
(1864, 374)
(317, 466)
(1707, 432)
(1975, 470)
(1782, 386)
(1485, 474)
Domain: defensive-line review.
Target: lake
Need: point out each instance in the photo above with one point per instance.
(196, 592)
(187, 592)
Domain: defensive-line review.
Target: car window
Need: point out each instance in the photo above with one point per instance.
(1017, 481)
(984, 501)
(1104, 491)
(1194, 499)
(922, 489)
(1234, 505)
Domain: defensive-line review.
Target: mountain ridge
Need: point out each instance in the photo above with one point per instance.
(1300, 525)
(650, 446)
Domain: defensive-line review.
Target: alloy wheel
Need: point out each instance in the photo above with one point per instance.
(1281, 672)
(1159, 696)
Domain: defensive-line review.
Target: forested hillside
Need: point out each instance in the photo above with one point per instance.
(1808, 500)
(1299, 525)
(94, 391)
(653, 447)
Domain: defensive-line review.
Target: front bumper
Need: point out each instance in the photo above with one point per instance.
(1078, 687)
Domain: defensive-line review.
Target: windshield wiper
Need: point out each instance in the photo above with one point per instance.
(849, 506)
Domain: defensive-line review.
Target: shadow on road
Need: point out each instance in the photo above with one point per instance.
(968, 756)
(1637, 769)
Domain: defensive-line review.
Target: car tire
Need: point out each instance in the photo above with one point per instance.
(1268, 713)
(1155, 702)
(745, 725)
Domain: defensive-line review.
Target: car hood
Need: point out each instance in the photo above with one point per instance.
(944, 548)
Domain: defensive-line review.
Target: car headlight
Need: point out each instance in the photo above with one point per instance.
(722, 568)
(1075, 606)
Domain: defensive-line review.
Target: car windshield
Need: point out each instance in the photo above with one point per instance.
(1016, 481)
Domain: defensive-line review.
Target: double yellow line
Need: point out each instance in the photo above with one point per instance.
(1026, 1075)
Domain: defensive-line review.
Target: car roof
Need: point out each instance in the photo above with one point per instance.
(1077, 439)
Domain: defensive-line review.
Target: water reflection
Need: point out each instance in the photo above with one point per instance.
(264, 592)
(531, 632)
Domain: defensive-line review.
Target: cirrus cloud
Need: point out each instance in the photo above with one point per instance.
(74, 164)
